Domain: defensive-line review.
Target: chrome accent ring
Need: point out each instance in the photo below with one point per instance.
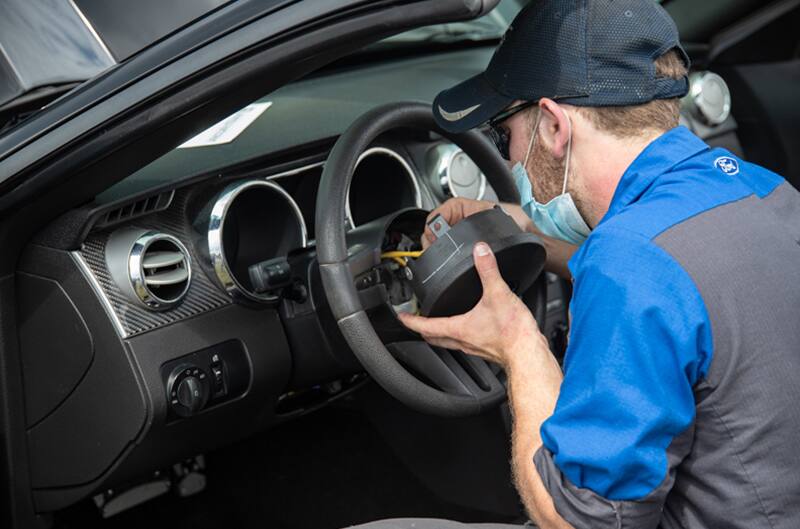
(136, 274)
(712, 112)
(293, 172)
(392, 154)
(216, 226)
(444, 155)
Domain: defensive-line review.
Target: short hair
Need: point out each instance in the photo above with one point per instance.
(660, 114)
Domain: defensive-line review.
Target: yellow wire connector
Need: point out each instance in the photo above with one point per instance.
(390, 255)
(400, 257)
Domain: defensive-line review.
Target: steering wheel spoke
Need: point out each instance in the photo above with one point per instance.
(453, 372)
(482, 372)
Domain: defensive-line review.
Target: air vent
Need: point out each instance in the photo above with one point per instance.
(149, 267)
(136, 209)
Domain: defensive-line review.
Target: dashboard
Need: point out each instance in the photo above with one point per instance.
(154, 328)
(145, 339)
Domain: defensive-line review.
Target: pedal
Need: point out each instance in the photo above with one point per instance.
(189, 477)
(112, 503)
(185, 478)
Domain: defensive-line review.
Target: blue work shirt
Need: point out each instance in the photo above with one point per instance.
(659, 347)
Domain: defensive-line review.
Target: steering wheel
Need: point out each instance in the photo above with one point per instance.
(439, 382)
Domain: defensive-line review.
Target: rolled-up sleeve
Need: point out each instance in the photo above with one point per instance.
(640, 341)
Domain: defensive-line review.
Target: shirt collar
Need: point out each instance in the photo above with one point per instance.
(664, 153)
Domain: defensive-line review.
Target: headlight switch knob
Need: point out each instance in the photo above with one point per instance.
(188, 389)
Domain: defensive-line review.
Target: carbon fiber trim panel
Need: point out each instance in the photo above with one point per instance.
(203, 295)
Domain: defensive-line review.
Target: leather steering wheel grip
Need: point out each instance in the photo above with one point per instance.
(332, 252)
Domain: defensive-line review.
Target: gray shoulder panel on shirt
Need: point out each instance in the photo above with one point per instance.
(734, 250)
(744, 258)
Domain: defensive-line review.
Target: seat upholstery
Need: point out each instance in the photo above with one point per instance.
(432, 523)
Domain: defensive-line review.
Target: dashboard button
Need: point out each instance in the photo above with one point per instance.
(218, 380)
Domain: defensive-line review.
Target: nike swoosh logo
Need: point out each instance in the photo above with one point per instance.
(456, 116)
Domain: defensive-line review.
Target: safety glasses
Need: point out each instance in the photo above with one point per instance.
(500, 134)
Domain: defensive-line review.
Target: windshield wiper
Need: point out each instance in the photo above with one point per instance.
(454, 32)
(465, 34)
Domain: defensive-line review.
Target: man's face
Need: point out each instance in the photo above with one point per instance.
(546, 172)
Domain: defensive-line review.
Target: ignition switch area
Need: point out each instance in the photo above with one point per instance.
(400, 245)
(396, 280)
(399, 249)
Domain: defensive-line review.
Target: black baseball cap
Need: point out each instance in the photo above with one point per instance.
(593, 53)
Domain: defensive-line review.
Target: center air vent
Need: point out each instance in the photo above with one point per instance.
(150, 268)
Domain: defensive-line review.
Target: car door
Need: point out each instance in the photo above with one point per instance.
(143, 107)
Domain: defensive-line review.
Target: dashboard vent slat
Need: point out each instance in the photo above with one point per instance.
(166, 278)
(162, 259)
(133, 210)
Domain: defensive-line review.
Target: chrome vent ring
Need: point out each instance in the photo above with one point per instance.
(151, 268)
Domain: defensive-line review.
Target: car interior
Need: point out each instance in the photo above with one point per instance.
(210, 339)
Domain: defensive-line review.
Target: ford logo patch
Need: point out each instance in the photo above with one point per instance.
(727, 165)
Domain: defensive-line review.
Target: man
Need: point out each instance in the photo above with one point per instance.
(678, 403)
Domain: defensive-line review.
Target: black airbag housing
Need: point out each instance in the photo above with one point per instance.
(445, 279)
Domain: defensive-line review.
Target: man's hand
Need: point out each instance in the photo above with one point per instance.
(456, 209)
(492, 330)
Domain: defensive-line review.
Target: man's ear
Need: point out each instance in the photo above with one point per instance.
(555, 128)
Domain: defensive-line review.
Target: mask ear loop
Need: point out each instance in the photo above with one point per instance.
(532, 143)
(569, 155)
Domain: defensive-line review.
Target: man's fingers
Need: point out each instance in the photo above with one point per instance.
(428, 238)
(446, 210)
(433, 330)
(486, 264)
(433, 327)
(452, 211)
(444, 343)
(419, 324)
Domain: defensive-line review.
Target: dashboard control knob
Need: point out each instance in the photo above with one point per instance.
(188, 390)
(709, 98)
(190, 394)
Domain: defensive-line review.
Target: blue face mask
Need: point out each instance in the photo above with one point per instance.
(559, 218)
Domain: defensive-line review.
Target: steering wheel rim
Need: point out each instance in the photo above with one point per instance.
(461, 398)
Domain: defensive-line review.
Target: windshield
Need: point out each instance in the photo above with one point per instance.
(492, 26)
(489, 27)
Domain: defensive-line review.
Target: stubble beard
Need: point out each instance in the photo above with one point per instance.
(547, 178)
